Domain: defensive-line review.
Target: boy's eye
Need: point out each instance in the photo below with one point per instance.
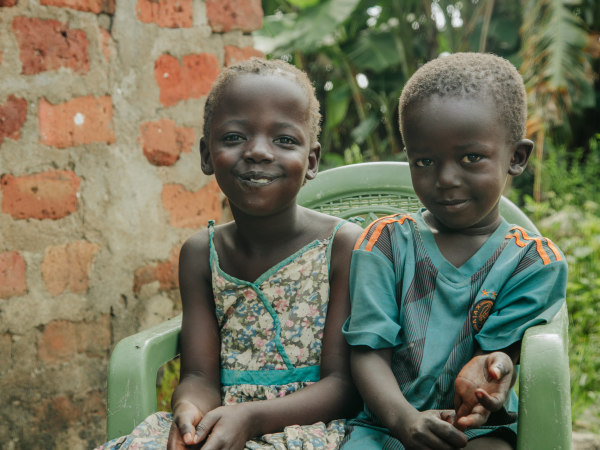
(471, 158)
(285, 140)
(423, 162)
(232, 137)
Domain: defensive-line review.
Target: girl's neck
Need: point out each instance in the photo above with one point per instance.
(257, 231)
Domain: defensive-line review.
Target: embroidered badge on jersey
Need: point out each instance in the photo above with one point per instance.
(482, 309)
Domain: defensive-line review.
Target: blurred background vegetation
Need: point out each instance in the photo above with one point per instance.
(359, 54)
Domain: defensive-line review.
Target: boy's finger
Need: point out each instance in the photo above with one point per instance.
(498, 367)
(450, 435)
(490, 402)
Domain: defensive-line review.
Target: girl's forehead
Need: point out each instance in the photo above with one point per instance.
(278, 90)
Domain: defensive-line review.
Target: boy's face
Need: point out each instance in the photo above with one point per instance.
(259, 145)
(460, 159)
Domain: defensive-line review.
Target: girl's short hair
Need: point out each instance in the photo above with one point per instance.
(259, 66)
(471, 75)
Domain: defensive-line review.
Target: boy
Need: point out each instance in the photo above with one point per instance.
(441, 298)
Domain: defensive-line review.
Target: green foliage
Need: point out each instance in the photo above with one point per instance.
(570, 215)
(167, 384)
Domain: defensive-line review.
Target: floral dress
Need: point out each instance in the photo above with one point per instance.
(271, 336)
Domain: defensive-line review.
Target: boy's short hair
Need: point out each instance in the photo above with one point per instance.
(259, 66)
(471, 75)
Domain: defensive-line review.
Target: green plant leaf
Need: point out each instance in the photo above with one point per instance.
(376, 51)
(337, 104)
(306, 32)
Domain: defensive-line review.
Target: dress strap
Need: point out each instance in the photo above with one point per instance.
(211, 244)
(330, 245)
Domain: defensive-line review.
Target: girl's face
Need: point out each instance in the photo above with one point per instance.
(259, 145)
(460, 159)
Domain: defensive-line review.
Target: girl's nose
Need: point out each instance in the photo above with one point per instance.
(447, 176)
(258, 150)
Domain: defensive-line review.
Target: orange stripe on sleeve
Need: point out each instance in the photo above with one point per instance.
(538, 244)
(380, 227)
(363, 235)
(554, 249)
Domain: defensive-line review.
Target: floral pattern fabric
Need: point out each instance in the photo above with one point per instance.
(271, 332)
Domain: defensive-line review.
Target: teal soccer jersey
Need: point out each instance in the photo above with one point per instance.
(405, 295)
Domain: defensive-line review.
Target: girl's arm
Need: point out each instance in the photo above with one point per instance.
(199, 387)
(332, 397)
(376, 382)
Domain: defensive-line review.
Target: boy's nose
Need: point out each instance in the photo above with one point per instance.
(447, 176)
(258, 150)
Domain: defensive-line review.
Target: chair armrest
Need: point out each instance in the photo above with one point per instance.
(544, 386)
(132, 371)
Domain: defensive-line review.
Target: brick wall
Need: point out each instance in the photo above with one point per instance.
(100, 183)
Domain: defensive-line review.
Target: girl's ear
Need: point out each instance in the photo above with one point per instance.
(314, 157)
(205, 160)
(520, 155)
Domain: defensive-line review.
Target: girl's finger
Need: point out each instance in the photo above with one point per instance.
(205, 426)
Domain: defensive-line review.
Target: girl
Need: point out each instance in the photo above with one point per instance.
(265, 296)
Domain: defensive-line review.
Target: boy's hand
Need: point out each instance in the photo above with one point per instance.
(432, 430)
(183, 429)
(481, 388)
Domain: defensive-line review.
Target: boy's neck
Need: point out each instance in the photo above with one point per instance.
(459, 245)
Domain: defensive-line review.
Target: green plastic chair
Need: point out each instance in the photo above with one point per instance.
(369, 190)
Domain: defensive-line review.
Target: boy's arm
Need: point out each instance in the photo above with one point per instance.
(332, 397)
(376, 382)
(199, 388)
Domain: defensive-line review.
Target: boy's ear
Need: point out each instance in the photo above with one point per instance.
(520, 155)
(205, 160)
(313, 161)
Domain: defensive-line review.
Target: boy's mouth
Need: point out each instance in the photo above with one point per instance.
(257, 178)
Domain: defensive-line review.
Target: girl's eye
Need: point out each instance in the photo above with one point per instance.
(471, 158)
(423, 162)
(285, 140)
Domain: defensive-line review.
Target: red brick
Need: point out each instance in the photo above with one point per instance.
(12, 117)
(227, 15)
(49, 45)
(95, 6)
(163, 142)
(63, 339)
(67, 267)
(12, 274)
(105, 42)
(166, 13)
(7, 3)
(80, 121)
(45, 195)
(165, 272)
(192, 209)
(57, 413)
(190, 79)
(237, 54)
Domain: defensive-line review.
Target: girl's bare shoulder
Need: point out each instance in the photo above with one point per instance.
(347, 233)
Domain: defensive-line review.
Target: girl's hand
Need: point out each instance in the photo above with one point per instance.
(183, 429)
(226, 427)
(481, 388)
(432, 430)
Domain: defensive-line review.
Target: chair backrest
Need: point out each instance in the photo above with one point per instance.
(372, 190)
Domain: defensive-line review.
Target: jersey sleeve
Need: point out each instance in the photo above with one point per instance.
(531, 296)
(374, 319)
